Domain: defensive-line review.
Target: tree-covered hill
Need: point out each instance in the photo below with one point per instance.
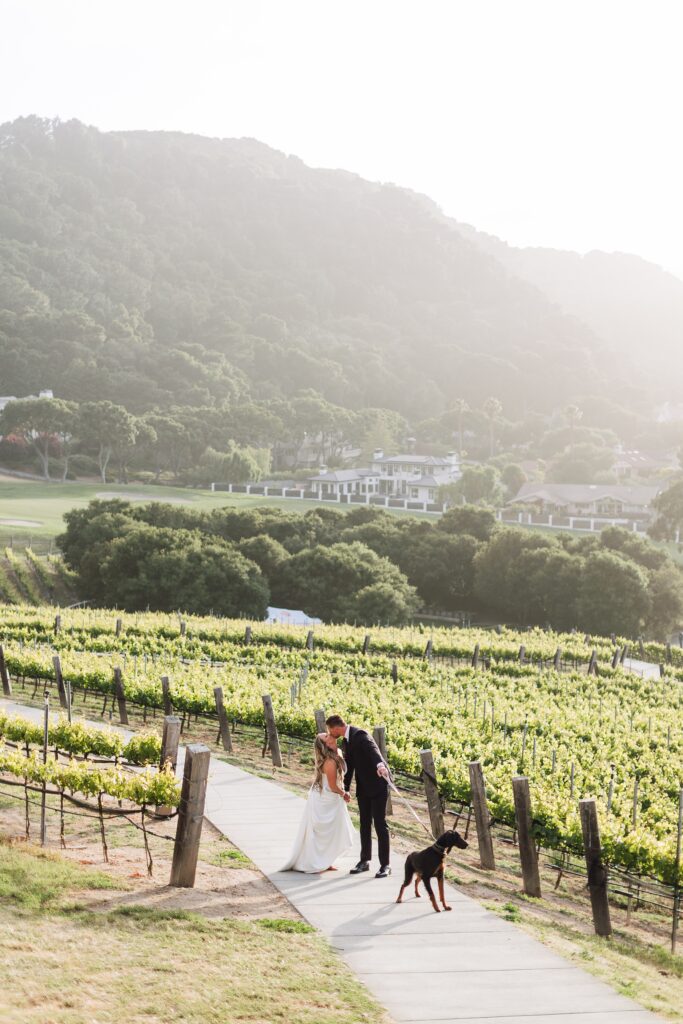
(156, 269)
(634, 305)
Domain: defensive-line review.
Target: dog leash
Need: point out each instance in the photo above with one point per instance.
(403, 800)
(410, 808)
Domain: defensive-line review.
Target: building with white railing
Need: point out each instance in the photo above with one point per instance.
(408, 477)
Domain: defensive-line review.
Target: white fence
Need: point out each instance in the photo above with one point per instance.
(298, 494)
(575, 523)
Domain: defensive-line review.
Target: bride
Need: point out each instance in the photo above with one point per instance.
(325, 831)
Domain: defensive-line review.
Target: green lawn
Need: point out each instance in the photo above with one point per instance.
(34, 510)
(43, 504)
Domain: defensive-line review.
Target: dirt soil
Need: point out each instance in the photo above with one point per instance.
(224, 887)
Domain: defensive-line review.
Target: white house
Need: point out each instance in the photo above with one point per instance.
(415, 477)
(328, 483)
(410, 477)
(6, 399)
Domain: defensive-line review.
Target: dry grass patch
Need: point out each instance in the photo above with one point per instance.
(140, 965)
(81, 944)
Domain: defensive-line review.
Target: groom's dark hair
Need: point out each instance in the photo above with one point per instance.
(334, 721)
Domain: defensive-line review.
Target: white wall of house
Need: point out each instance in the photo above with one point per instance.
(413, 478)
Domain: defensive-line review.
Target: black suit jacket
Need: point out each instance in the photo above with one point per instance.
(362, 757)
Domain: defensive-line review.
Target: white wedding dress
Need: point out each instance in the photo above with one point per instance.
(325, 832)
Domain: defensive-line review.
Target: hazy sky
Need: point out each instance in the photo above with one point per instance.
(546, 122)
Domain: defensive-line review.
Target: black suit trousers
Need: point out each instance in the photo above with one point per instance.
(373, 811)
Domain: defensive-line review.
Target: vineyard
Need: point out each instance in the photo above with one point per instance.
(559, 708)
(28, 578)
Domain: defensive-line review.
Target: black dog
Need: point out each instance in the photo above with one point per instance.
(429, 863)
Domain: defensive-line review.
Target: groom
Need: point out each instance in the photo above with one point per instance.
(362, 756)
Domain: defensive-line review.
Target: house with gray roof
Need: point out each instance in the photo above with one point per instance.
(609, 500)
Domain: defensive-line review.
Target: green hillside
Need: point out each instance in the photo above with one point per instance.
(154, 268)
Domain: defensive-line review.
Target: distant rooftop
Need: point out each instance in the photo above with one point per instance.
(291, 617)
(432, 480)
(423, 460)
(583, 494)
(341, 476)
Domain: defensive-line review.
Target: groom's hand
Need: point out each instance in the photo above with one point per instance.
(347, 798)
(382, 771)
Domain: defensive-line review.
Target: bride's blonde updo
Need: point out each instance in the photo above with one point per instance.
(323, 753)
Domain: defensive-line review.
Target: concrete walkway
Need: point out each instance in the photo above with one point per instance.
(642, 668)
(468, 966)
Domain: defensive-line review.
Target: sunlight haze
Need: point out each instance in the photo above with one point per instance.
(549, 124)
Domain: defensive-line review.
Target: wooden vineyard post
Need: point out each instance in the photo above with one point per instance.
(120, 697)
(394, 671)
(525, 834)
(43, 797)
(6, 684)
(59, 678)
(475, 657)
(190, 815)
(320, 720)
(309, 640)
(610, 790)
(557, 660)
(169, 752)
(366, 644)
(593, 664)
(677, 872)
(379, 734)
(482, 817)
(597, 873)
(271, 730)
(166, 694)
(223, 723)
(119, 625)
(169, 741)
(58, 623)
(432, 793)
(616, 657)
(247, 635)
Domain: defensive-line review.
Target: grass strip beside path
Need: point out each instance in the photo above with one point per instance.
(66, 964)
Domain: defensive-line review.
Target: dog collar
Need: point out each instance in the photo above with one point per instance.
(439, 849)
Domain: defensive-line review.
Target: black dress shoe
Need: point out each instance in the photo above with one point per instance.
(384, 871)
(362, 865)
